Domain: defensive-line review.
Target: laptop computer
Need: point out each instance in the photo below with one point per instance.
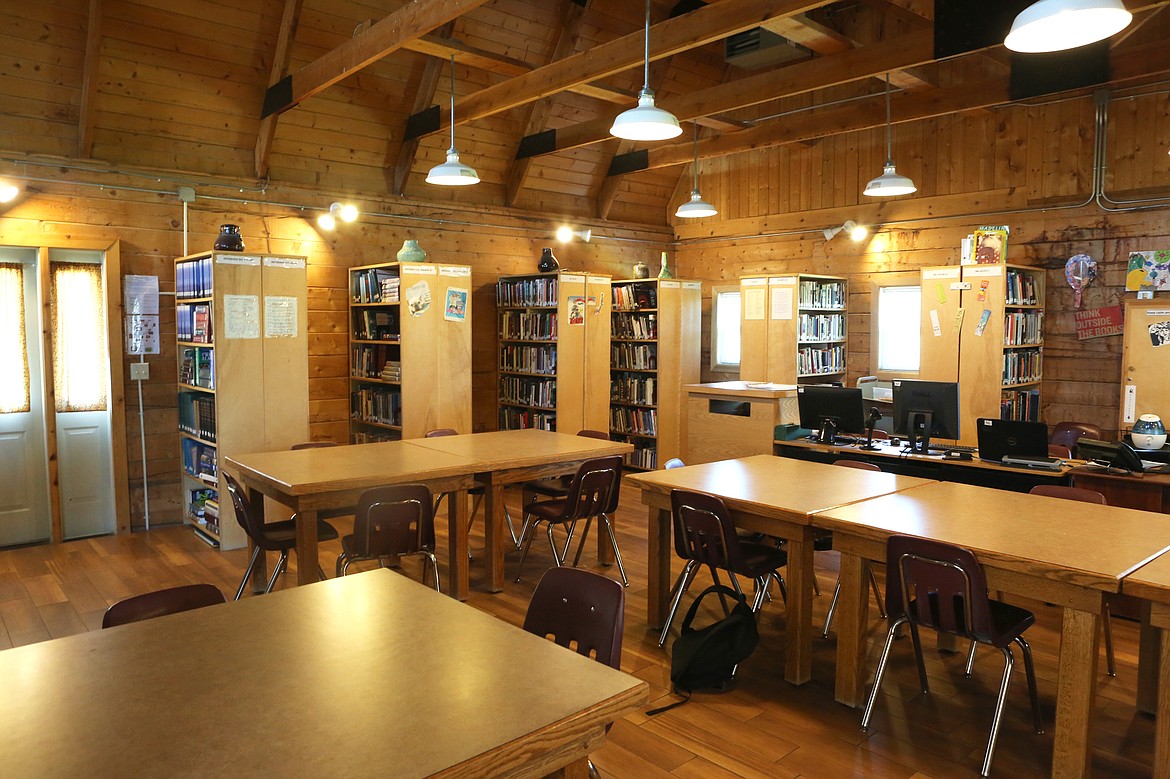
(1013, 442)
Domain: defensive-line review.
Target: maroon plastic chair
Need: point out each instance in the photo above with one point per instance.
(704, 535)
(557, 487)
(278, 537)
(1067, 433)
(823, 542)
(162, 602)
(942, 587)
(593, 491)
(392, 522)
(574, 606)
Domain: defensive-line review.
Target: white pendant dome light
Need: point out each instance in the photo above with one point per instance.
(452, 173)
(646, 122)
(1056, 25)
(696, 206)
(890, 183)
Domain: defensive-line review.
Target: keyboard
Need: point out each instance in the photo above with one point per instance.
(958, 448)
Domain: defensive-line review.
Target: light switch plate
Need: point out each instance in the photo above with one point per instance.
(139, 371)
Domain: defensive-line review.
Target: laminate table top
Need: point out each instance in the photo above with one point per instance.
(367, 675)
(1152, 582)
(512, 449)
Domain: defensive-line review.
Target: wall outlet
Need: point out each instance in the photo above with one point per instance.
(139, 371)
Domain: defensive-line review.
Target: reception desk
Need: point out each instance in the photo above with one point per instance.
(730, 419)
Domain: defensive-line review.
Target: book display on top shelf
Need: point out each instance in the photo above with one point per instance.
(654, 353)
(554, 338)
(409, 354)
(794, 328)
(240, 324)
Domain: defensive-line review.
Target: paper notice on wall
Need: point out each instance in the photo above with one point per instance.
(142, 334)
(782, 302)
(984, 318)
(1160, 334)
(241, 316)
(754, 301)
(935, 327)
(418, 297)
(280, 317)
(455, 309)
(140, 294)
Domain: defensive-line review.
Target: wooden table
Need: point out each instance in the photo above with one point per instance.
(367, 675)
(312, 480)
(1151, 582)
(767, 494)
(1044, 548)
(514, 456)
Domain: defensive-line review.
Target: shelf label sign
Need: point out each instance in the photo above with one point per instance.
(295, 263)
(1098, 322)
(237, 259)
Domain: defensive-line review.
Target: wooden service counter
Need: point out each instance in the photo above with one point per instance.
(730, 419)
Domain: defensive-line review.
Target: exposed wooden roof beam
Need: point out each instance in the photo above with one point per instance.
(411, 21)
(93, 42)
(810, 34)
(280, 58)
(424, 94)
(697, 28)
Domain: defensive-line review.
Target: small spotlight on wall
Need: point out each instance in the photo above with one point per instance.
(856, 232)
(566, 234)
(346, 212)
(8, 191)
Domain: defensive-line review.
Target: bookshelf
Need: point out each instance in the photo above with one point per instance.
(794, 328)
(983, 326)
(654, 354)
(554, 340)
(409, 350)
(240, 325)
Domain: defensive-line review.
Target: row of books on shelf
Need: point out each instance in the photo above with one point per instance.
(193, 279)
(197, 415)
(633, 357)
(523, 419)
(374, 362)
(529, 325)
(193, 322)
(197, 366)
(371, 437)
(376, 285)
(376, 325)
(541, 393)
(536, 291)
(821, 327)
(376, 405)
(631, 297)
(813, 360)
(645, 458)
(640, 421)
(821, 294)
(1021, 366)
(203, 509)
(528, 359)
(1021, 289)
(634, 389)
(199, 459)
(1022, 405)
(1023, 327)
(644, 326)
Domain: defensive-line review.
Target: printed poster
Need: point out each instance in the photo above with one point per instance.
(241, 316)
(991, 245)
(455, 309)
(576, 310)
(1148, 270)
(418, 298)
(280, 317)
(1098, 322)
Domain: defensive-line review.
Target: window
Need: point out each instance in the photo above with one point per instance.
(725, 329)
(80, 359)
(14, 388)
(896, 335)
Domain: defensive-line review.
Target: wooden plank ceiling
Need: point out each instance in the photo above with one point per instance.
(350, 97)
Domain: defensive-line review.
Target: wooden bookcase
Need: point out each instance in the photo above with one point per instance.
(1143, 380)
(654, 353)
(554, 351)
(983, 326)
(243, 364)
(793, 329)
(409, 350)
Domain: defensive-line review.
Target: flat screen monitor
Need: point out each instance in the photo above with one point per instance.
(925, 410)
(1116, 454)
(830, 410)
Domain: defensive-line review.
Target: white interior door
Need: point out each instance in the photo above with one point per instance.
(24, 472)
(85, 473)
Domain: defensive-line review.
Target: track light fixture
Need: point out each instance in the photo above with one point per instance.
(8, 191)
(856, 232)
(346, 212)
(566, 234)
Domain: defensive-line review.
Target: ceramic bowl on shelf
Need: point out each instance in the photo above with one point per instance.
(1148, 433)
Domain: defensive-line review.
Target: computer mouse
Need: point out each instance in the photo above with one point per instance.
(895, 441)
(952, 455)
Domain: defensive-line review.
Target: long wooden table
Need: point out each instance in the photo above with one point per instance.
(1151, 582)
(367, 675)
(514, 456)
(770, 495)
(1044, 548)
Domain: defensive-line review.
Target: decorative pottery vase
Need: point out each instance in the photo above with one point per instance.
(1148, 432)
(665, 272)
(548, 263)
(641, 270)
(229, 239)
(411, 251)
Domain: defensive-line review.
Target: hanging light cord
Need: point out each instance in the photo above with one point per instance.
(646, 59)
(453, 102)
(889, 144)
(695, 165)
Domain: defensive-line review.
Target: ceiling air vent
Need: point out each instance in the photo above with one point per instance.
(760, 48)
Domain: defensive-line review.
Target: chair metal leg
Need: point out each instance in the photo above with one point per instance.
(248, 572)
(917, 641)
(529, 534)
(617, 554)
(321, 572)
(581, 543)
(877, 593)
(338, 568)
(1110, 664)
(971, 659)
(881, 670)
(280, 566)
(1030, 672)
(1008, 663)
(832, 608)
(680, 586)
(429, 558)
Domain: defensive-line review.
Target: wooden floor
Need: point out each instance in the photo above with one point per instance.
(762, 728)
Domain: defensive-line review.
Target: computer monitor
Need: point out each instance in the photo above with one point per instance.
(830, 410)
(925, 409)
(1114, 454)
